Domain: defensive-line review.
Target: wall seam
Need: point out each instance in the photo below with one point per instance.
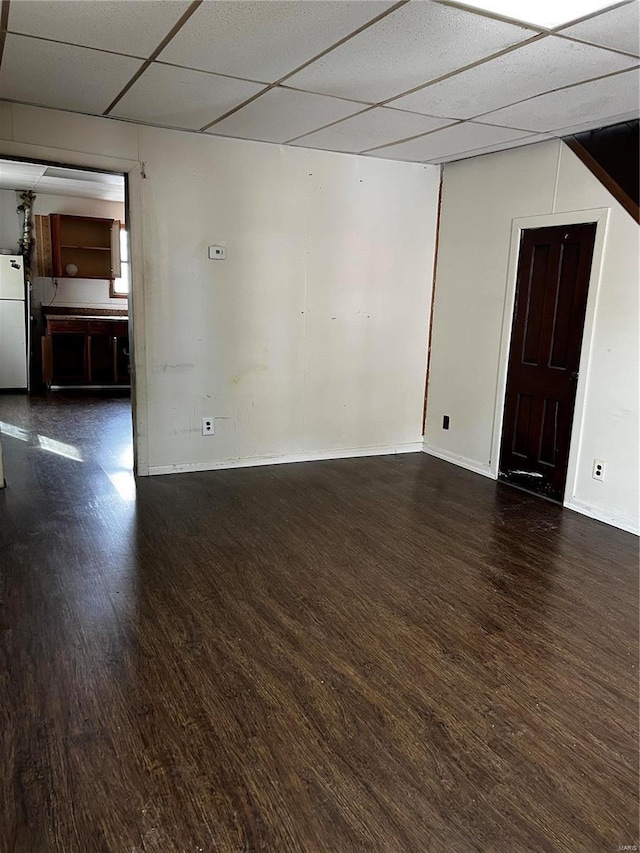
(557, 180)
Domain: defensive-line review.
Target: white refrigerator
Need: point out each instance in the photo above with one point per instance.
(13, 323)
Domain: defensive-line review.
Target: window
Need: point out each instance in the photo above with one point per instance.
(120, 286)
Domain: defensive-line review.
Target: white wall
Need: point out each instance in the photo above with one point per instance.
(481, 198)
(10, 222)
(310, 339)
(76, 292)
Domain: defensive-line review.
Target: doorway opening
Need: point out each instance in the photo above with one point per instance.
(554, 267)
(64, 232)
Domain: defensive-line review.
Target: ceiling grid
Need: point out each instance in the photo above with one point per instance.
(419, 80)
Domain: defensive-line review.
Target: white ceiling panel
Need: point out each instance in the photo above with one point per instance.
(177, 97)
(19, 176)
(541, 13)
(570, 130)
(619, 29)
(62, 76)
(55, 180)
(79, 189)
(460, 139)
(599, 100)
(379, 126)
(497, 146)
(16, 182)
(282, 114)
(265, 40)
(135, 27)
(528, 71)
(415, 44)
(106, 178)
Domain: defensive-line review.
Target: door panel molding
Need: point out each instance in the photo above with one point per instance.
(601, 218)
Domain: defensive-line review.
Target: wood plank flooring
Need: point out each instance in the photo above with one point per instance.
(385, 655)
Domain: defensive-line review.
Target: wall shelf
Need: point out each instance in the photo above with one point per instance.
(91, 244)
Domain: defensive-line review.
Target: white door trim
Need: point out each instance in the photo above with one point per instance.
(136, 302)
(600, 216)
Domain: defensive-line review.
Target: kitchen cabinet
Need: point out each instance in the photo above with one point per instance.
(85, 351)
(85, 247)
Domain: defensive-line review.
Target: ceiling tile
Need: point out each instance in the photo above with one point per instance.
(54, 180)
(80, 188)
(62, 76)
(583, 126)
(598, 101)
(619, 29)
(282, 114)
(264, 40)
(15, 175)
(16, 182)
(177, 97)
(542, 13)
(460, 139)
(497, 146)
(415, 44)
(136, 27)
(378, 126)
(528, 71)
(102, 178)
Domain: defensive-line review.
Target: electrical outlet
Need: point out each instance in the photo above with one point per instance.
(207, 426)
(599, 469)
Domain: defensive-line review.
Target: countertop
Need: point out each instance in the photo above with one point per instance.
(69, 312)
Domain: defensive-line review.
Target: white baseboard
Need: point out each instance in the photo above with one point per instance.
(624, 522)
(312, 456)
(461, 461)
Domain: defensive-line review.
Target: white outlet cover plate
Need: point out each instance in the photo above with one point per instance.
(217, 253)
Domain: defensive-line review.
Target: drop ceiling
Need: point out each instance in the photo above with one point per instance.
(55, 180)
(420, 80)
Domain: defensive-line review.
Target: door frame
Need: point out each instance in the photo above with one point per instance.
(600, 216)
(133, 173)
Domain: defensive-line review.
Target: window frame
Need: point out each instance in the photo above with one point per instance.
(113, 293)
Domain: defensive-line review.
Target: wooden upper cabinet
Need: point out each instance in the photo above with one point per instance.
(91, 244)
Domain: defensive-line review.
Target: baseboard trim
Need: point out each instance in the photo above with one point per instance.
(623, 522)
(285, 459)
(460, 461)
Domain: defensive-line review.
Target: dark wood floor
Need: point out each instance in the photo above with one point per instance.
(388, 655)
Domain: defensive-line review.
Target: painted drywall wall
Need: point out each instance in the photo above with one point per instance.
(76, 292)
(611, 425)
(310, 339)
(481, 198)
(10, 222)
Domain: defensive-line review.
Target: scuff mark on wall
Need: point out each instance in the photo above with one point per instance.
(250, 370)
(180, 367)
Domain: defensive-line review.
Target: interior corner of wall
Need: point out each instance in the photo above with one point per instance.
(557, 178)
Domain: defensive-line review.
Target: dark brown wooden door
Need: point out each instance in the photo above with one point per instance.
(546, 338)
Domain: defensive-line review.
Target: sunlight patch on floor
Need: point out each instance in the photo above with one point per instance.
(59, 448)
(125, 484)
(14, 431)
